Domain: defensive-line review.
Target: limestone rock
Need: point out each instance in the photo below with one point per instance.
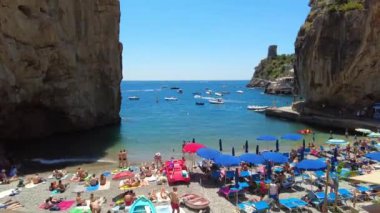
(337, 55)
(60, 66)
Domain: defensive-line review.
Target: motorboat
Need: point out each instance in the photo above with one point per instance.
(175, 88)
(240, 91)
(195, 202)
(216, 101)
(208, 92)
(197, 96)
(257, 108)
(133, 98)
(171, 99)
(218, 94)
(199, 103)
(180, 91)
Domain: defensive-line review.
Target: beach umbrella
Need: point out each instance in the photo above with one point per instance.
(373, 156)
(269, 170)
(303, 143)
(123, 175)
(312, 165)
(233, 151)
(252, 158)
(364, 131)
(227, 160)
(208, 153)
(302, 156)
(374, 135)
(220, 145)
(337, 142)
(257, 149)
(275, 157)
(292, 137)
(192, 147)
(277, 146)
(246, 146)
(266, 138)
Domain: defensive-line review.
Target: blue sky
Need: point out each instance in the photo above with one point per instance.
(204, 39)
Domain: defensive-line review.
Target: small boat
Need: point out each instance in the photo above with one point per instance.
(257, 108)
(218, 94)
(208, 92)
(196, 202)
(175, 88)
(171, 99)
(240, 91)
(197, 96)
(199, 103)
(142, 205)
(216, 101)
(180, 91)
(133, 98)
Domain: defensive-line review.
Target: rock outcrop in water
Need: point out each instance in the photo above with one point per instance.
(60, 66)
(337, 54)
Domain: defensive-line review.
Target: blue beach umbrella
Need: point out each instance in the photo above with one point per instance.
(292, 137)
(266, 138)
(252, 158)
(246, 146)
(312, 165)
(275, 157)
(227, 160)
(233, 151)
(277, 146)
(373, 156)
(257, 149)
(337, 142)
(208, 153)
(220, 145)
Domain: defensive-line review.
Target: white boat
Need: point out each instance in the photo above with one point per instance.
(171, 99)
(133, 98)
(240, 91)
(216, 101)
(208, 92)
(218, 94)
(257, 108)
(197, 96)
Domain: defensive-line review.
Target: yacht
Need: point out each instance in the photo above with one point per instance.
(216, 101)
(257, 108)
(240, 91)
(171, 99)
(218, 94)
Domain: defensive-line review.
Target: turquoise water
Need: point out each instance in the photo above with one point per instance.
(148, 126)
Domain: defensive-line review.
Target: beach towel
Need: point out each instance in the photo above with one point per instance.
(54, 192)
(105, 186)
(151, 179)
(6, 193)
(129, 188)
(107, 174)
(63, 205)
(160, 199)
(80, 209)
(92, 188)
(167, 208)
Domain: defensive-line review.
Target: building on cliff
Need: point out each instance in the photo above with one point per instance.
(60, 66)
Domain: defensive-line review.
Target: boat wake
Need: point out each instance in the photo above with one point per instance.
(71, 160)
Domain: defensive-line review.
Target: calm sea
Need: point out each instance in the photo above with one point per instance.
(152, 124)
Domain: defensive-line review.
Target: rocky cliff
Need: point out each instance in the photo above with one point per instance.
(337, 54)
(60, 66)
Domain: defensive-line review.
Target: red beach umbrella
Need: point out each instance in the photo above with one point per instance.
(192, 147)
(123, 175)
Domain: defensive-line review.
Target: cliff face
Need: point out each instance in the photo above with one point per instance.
(60, 66)
(337, 54)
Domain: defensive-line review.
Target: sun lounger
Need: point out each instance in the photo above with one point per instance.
(227, 192)
(366, 192)
(249, 206)
(293, 203)
(345, 195)
(230, 174)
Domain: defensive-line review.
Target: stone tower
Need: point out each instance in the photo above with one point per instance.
(272, 51)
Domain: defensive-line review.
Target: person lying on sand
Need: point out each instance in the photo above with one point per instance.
(79, 201)
(58, 174)
(95, 206)
(93, 181)
(53, 186)
(152, 196)
(36, 179)
(163, 193)
(9, 204)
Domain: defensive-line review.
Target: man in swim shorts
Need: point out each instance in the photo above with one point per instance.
(174, 200)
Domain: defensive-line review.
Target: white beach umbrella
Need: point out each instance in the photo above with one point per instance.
(337, 142)
(374, 135)
(364, 131)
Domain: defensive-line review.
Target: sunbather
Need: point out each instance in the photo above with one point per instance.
(61, 187)
(36, 179)
(93, 181)
(128, 199)
(79, 200)
(153, 196)
(58, 174)
(53, 186)
(3, 177)
(103, 180)
(9, 204)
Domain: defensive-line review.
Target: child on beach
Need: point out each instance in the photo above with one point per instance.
(174, 200)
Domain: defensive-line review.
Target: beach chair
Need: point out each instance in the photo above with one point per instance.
(292, 204)
(228, 192)
(307, 151)
(345, 195)
(249, 206)
(317, 199)
(366, 193)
